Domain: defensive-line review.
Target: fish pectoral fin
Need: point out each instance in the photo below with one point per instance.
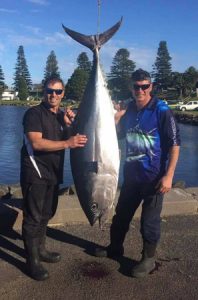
(91, 166)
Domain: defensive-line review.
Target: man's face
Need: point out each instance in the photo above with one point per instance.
(54, 94)
(141, 91)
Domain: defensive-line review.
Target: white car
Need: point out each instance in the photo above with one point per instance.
(192, 105)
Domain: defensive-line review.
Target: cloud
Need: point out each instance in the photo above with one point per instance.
(66, 68)
(35, 11)
(58, 39)
(39, 2)
(32, 29)
(143, 57)
(41, 39)
(9, 11)
(1, 46)
(5, 31)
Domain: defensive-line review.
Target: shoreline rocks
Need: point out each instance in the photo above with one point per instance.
(179, 201)
(13, 192)
(185, 118)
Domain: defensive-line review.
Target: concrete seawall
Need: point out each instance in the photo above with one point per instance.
(177, 202)
(186, 118)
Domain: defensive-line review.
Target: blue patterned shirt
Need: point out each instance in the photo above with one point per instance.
(149, 134)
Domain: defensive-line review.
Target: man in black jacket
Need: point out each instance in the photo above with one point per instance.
(46, 135)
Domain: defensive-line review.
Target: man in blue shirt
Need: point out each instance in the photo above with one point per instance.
(152, 151)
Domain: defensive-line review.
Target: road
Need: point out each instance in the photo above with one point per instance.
(80, 276)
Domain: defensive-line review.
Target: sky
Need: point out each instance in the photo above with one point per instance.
(37, 26)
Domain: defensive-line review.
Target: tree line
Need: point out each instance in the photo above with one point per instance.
(166, 82)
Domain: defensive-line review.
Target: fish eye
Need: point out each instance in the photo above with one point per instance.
(94, 206)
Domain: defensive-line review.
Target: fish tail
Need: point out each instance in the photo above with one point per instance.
(93, 41)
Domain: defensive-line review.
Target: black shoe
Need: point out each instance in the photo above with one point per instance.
(49, 257)
(45, 255)
(34, 267)
(36, 270)
(144, 267)
(109, 252)
(147, 263)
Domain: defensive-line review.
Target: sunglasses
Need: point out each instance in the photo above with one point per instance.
(51, 91)
(143, 87)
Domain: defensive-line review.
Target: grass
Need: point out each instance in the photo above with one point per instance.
(33, 103)
(18, 102)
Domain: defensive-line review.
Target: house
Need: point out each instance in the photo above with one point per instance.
(37, 90)
(9, 94)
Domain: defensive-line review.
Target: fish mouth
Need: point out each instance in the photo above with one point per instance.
(100, 220)
(93, 221)
(95, 214)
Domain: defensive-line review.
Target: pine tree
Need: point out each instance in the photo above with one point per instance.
(178, 82)
(162, 67)
(2, 84)
(21, 70)
(51, 69)
(120, 74)
(190, 79)
(84, 62)
(76, 85)
(23, 89)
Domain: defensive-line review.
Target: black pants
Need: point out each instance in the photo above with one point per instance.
(128, 202)
(39, 206)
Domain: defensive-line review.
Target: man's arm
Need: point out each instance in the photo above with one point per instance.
(40, 144)
(165, 184)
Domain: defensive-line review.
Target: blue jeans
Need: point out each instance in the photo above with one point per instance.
(128, 202)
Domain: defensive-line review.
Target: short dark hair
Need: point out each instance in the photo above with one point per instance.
(52, 79)
(140, 75)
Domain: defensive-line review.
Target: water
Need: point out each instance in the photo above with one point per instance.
(11, 140)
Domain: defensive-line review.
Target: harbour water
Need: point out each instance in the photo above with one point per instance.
(11, 137)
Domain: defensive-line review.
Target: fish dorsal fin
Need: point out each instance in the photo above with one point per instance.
(93, 41)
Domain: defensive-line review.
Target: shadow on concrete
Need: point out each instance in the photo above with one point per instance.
(67, 238)
(9, 210)
(8, 217)
(13, 261)
(7, 246)
(126, 264)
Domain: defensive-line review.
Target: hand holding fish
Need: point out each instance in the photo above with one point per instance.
(79, 140)
(120, 111)
(69, 116)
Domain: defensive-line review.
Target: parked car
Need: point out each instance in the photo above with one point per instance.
(192, 105)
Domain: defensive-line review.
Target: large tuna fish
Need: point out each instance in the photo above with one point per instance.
(95, 167)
